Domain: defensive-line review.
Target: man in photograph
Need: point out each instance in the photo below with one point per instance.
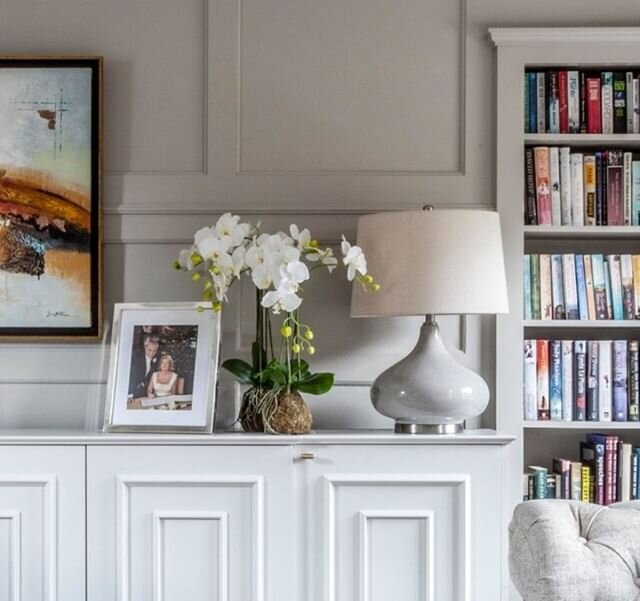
(144, 361)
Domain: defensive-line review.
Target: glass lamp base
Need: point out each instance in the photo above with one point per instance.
(412, 428)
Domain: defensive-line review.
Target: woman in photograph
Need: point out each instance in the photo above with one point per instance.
(164, 381)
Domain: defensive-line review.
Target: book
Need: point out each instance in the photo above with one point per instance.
(541, 110)
(625, 471)
(546, 302)
(540, 474)
(585, 479)
(573, 104)
(599, 287)
(628, 86)
(535, 287)
(615, 279)
(635, 462)
(567, 380)
(526, 273)
(582, 82)
(526, 104)
(634, 381)
(615, 210)
(554, 184)
(533, 102)
(577, 189)
(563, 99)
(604, 381)
(635, 261)
(589, 183)
(606, 101)
(588, 279)
(594, 116)
(531, 210)
(610, 449)
(619, 103)
(627, 182)
(565, 186)
(542, 378)
(562, 467)
(636, 105)
(581, 285)
(620, 399)
(592, 453)
(530, 381)
(576, 480)
(553, 103)
(628, 300)
(580, 380)
(557, 288)
(592, 381)
(607, 289)
(635, 192)
(555, 380)
(601, 187)
(570, 285)
(543, 191)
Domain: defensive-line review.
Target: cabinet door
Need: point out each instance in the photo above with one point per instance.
(189, 523)
(417, 523)
(42, 521)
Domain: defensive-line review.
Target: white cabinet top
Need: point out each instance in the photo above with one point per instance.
(342, 437)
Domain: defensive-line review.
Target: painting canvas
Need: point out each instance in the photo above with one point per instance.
(50, 188)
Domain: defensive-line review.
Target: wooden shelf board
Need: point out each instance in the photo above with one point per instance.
(620, 140)
(586, 231)
(557, 425)
(562, 324)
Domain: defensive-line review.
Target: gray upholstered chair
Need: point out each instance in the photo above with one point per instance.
(571, 551)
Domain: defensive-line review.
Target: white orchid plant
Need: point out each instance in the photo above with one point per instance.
(278, 265)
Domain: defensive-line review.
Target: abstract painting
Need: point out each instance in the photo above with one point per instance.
(50, 197)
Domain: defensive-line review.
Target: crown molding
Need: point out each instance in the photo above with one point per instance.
(533, 36)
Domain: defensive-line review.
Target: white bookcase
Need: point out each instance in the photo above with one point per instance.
(548, 48)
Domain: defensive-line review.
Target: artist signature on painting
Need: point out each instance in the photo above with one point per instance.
(57, 314)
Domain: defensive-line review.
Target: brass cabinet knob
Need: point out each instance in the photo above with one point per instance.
(307, 455)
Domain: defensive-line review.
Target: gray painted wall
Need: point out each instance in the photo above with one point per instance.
(303, 111)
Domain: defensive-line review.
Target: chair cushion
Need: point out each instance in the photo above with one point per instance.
(563, 550)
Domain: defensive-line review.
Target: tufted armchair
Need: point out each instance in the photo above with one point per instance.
(571, 551)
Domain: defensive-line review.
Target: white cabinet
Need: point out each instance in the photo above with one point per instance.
(236, 517)
(42, 527)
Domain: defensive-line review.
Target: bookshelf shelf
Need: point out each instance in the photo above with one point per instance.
(618, 140)
(591, 426)
(605, 324)
(604, 232)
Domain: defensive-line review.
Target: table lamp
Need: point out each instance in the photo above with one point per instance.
(431, 263)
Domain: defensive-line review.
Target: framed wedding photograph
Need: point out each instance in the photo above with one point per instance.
(51, 197)
(163, 368)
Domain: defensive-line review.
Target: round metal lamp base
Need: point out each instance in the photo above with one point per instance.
(449, 428)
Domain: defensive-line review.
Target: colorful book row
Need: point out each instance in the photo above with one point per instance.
(608, 472)
(581, 380)
(581, 188)
(581, 287)
(571, 101)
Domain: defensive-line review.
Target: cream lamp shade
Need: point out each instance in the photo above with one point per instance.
(432, 262)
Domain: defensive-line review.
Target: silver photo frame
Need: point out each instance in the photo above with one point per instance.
(163, 368)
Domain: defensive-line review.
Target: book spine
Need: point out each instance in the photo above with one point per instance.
(555, 380)
(580, 379)
(628, 86)
(606, 95)
(581, 284)
(557, 288)
(563, 96)
(565, 185)
(588, 280)
(540, 483)
(530, 381)
(543, 191)
(624, 493)
(599, 287)
(636, 105)
(577, 189)
(574, 102)
(634, 381)
(541, 109)
(585, 478)
(600, 471)
(627, 182)
(546, 302)
(526, 104)
(570, 286)
(635, 260)
(604, 381)
(634, 475)
(607, 288)
(600, 188)
(576, 480)
(553, 103)
(535, 287)
(589, 166)
(542, 378)
(615, 213)
(626, 271)
(635, 192)
(531, 210)
(582, 78)
(592, 381)
(615, 279)
(616, 471)
(594, 116)
(554, 179)
(619, 103)
(610, 476)
(526, 272)
(533, 102)
(567, 380)
(620, 399)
